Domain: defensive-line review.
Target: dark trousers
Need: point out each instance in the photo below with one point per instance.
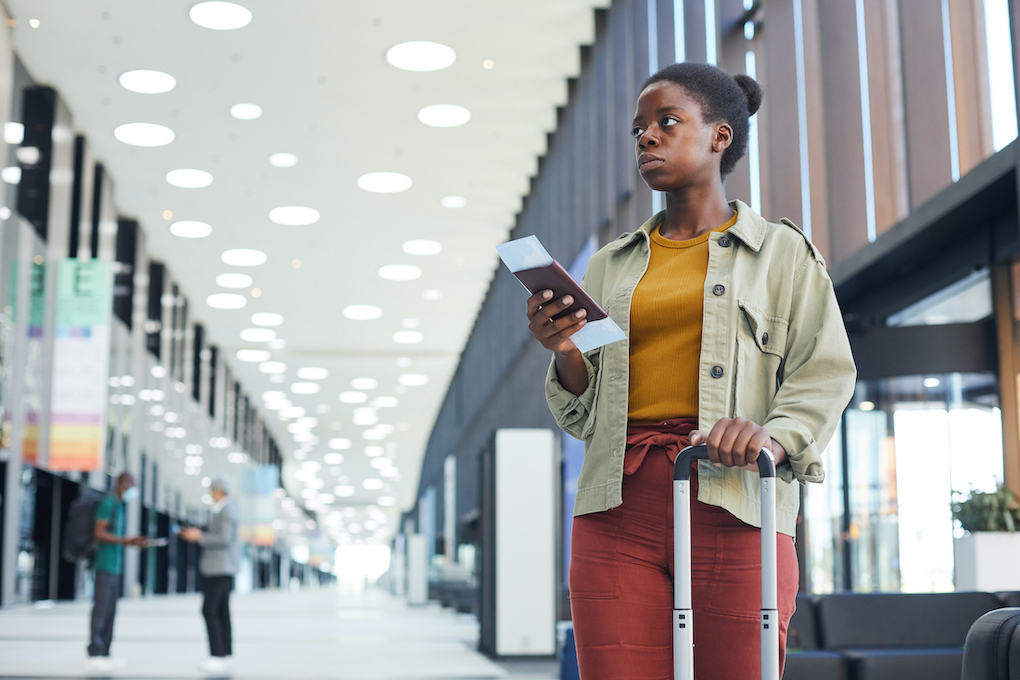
(104, 608)
(216, 610)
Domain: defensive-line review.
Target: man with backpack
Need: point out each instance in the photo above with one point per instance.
(108, 532)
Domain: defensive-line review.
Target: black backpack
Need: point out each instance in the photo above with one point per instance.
(79, 530)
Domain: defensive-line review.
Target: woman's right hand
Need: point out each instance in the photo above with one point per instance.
(553, 334)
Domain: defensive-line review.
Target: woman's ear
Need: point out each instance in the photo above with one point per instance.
(722, 137)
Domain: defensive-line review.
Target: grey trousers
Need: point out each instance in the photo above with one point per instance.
(104, 608)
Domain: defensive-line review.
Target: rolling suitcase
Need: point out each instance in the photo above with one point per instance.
(683, 615)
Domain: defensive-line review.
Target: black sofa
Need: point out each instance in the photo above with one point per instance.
(883, 636)
(992, 651)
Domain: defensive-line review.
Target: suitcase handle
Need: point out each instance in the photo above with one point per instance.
(683, 613)
(682, 466)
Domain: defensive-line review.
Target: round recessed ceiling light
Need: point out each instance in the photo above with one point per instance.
(305, 388)
(273, 395)
(233, 280)
(362, 312)
(432, 294)
(422, 247)
(220, 16)
(312, 373)
(384, 182)
(400, 272)
(364, 416)
(188, 229)
(266, 319)
(246, 111)
(283, 160)
(339, 444)
(408, 337)
(242, 257)
(364, 383)
(226, 301)
(144, 134)
(14, 133)
(11, 174)
(421, 56)
(258, 334)
(345, 490)
(147, 82)
(453, 202)
(385, 402)
(372, 484)
(187, 178)
(272, 368)
(253, 356)
(290, 411)
(444, 115)
(294, 215)
(353, 397)
(413, 379)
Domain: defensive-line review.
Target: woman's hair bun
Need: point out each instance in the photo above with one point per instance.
(752, 90)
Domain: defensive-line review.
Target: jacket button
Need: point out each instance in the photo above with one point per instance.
(717, 372)
(718, 289)
(724, 241)
(764, 338)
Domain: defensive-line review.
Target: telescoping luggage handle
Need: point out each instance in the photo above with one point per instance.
(683, 615)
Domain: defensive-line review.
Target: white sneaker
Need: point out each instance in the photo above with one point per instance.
(100, 664)
(117, 661)
(214, 664)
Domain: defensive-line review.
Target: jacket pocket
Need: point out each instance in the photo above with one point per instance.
(769, 332)
(761, 348)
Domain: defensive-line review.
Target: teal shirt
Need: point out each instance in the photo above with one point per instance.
(110, 556)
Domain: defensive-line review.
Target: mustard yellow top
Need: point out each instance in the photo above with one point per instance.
(665, 329)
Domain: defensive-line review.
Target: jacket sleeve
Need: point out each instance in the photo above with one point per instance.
(574, 413)
(818, 376)
(222, 530)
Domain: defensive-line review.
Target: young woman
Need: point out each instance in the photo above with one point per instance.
(735, 340)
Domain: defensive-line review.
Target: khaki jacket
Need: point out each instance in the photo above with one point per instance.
(774, 351)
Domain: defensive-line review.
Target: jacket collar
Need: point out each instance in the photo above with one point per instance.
(750, 228)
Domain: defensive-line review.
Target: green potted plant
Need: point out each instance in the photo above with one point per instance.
(988, 553)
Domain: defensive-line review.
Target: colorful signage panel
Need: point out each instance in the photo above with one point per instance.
(81, 363)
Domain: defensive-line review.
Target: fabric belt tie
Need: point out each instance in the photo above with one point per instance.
(669, 436)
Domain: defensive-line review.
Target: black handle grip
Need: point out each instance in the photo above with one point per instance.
(682, 466)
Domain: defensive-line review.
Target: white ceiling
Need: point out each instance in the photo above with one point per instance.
(318, 70)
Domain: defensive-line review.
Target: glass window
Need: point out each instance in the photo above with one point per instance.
(911, 443)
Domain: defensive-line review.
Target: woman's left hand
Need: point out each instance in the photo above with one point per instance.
(735, 442)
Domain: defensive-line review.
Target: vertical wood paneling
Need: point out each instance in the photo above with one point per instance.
(925, 99)
(815, 107)
(844, 136)
(640, 72)
(694, 30)
(732, 49)
(778, 120)
(888, 145)
(970, 77)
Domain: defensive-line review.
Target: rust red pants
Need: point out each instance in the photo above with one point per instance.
(621, 584)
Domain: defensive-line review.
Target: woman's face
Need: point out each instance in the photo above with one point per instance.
(675, 148)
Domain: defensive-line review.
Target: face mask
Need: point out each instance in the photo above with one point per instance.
(130, 494)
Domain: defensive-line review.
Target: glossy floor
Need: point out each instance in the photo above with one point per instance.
(302, 635)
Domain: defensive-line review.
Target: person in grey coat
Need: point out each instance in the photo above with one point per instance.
(221, 557)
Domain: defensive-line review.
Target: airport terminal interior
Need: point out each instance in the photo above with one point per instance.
(248, 261)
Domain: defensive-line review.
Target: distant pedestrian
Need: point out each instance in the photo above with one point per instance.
(221, 557)
(110, 540)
